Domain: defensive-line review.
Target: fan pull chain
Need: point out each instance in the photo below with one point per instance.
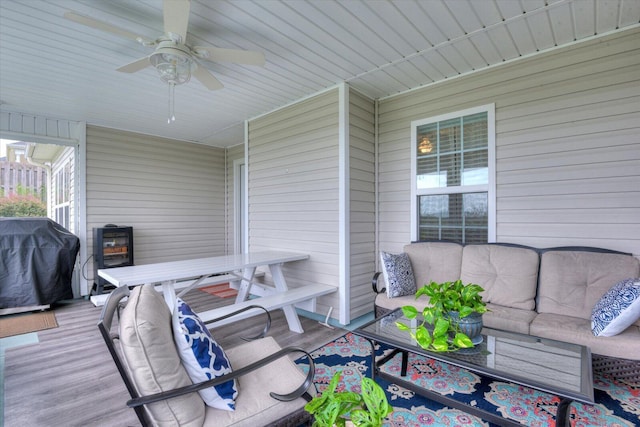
(172, 116)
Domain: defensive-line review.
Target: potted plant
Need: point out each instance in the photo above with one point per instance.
(345, 408)
(454, 313)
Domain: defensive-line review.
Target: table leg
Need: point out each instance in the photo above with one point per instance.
(245, 284)
(289, 310)
(563, 415)
(374, 365)
(405, 362)
(169, 293)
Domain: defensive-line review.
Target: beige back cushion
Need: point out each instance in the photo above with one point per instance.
(434, 261)
(147, 345)
(508, 274)
(571, 282)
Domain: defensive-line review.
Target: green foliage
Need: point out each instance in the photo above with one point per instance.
(368, 409)
(442, 334)
(22, 205)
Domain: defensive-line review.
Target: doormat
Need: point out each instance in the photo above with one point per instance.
(616, 403)
(221, 290)
(24, 323)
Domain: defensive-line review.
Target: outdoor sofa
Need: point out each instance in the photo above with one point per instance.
(566, 293)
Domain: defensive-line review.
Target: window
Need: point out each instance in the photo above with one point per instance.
(62, 195)
(453, 176)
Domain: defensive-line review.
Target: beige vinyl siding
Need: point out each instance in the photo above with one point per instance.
(293, 189)
(171, 192)
(362, 202)
(568, 155)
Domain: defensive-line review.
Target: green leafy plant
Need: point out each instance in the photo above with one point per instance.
(443, 334)
(21, 206)
(367, 409)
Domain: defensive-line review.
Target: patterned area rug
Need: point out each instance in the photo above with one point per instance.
(617, 404)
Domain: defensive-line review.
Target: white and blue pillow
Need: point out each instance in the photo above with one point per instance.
(617, 309)
(202, 357)
(398, 274)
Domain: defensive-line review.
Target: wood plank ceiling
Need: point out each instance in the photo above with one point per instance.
(55, 67)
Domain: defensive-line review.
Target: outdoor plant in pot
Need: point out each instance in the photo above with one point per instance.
(347, 408)
(454, 316)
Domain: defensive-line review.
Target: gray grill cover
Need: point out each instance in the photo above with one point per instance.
(36, 262)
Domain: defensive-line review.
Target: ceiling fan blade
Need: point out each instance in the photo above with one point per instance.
(176, 17)
(134, 66)
(217, 54)
(103, 26)
(206, 78)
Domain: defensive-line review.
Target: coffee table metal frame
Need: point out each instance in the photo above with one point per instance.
(383, 330)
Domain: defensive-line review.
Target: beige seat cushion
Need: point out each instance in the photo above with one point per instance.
(254, 406)
(392, 303)
(625, 345)
(148, 348)
(571, 282)
(508, 319)
(508, 274)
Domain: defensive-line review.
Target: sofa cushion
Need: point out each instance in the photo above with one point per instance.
(508, 318)
(434, 261)
(146, 339)
(392, 303)
(625, 345)
(254, 406)
(618, 308)
(572, 282)
(507, 273)
(398, 274)
(202, 357)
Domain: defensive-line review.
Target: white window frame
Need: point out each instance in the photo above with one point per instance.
(489, 188)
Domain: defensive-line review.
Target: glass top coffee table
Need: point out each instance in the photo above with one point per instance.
(555, 367)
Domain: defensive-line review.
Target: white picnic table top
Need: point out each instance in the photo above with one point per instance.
(135, 275)
(241, 267)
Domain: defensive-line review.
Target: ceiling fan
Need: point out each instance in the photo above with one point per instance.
(174, 59)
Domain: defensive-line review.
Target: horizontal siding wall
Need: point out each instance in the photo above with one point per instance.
(362, 202)
(293, 189)
(568, 154)
(171, 192)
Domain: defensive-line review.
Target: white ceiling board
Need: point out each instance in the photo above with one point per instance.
(54, 67)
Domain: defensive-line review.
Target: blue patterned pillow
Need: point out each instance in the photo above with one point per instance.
(398, 274)
(202, 357)
(617, 309)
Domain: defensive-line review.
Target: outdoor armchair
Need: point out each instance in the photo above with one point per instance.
(271, 389)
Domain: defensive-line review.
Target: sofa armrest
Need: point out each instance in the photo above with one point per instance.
(374, 283)
(298, 392)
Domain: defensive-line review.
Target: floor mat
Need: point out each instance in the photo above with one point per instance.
(16, 324)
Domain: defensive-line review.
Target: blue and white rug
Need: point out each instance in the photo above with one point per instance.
(617, 404)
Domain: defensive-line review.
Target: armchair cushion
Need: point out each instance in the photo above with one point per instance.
(203, 357)
(254, 406)
(152, 360)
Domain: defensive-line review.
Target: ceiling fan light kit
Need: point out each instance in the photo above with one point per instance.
(174, 60)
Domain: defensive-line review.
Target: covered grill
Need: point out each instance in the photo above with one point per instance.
(37, 257)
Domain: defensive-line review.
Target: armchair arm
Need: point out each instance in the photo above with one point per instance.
(299, 392)
(374, 283)
(265, 330)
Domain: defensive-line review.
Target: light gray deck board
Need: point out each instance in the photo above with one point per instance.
(69, 379)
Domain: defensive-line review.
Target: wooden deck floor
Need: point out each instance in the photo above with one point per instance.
(69, 379)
